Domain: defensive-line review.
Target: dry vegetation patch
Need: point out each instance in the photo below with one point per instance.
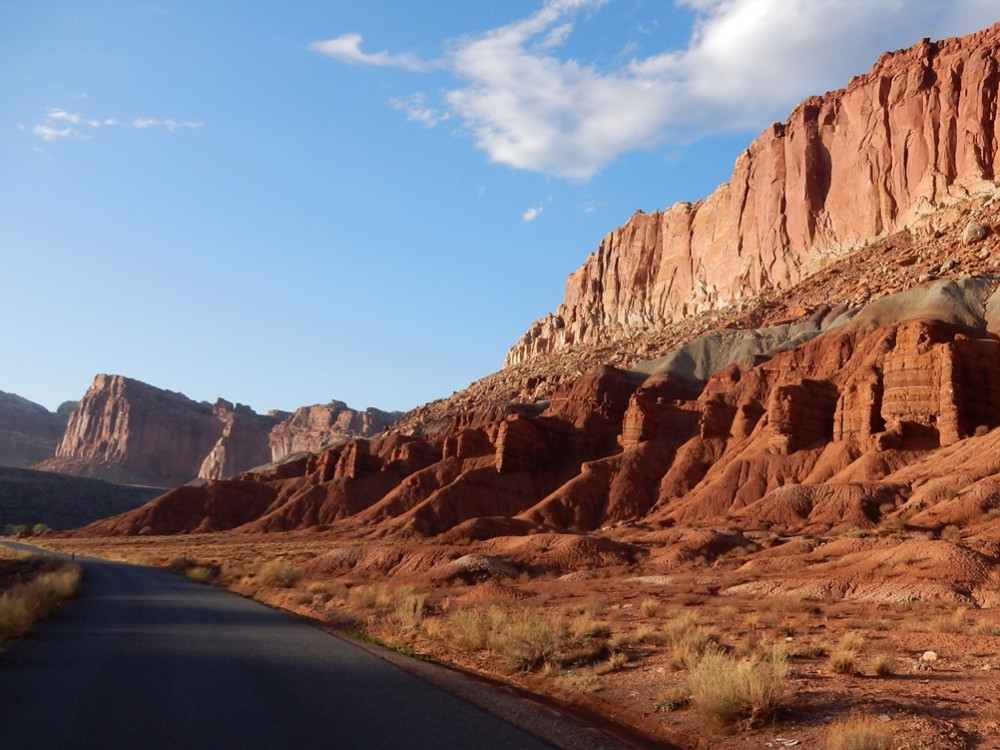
(680, 656)
(32, 587)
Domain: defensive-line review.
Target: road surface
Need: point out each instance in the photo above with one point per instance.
(147, 660)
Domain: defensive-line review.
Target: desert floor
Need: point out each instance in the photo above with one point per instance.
(624, 644)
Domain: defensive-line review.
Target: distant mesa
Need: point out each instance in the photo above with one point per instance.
(29, 432)
(129, 432)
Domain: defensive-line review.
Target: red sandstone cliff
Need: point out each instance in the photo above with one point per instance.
(919, 130)
(808, 410)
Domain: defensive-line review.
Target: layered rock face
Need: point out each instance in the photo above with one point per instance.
(868, 393)
(852, 165)
(29, 432)
(312, 427)
(127, 431)
(616, 446)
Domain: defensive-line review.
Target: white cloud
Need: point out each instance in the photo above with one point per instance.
(347, 48)
(531, 106)
(418, 110)
(533, 213)
(49, 133)
(58, 124)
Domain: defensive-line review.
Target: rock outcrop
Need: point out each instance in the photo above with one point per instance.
(313, 427)
(131, 432)
(864, 394)
(29, 432)
(918, 131)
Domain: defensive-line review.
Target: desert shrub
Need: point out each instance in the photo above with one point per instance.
(730, 692)
(405, 614)
(858, 733)
(528, 641)
(986, 627)
(843, 661)
(200, 573)
(181, 564)
(470, 630)
(951, 533)
(278, 573)
(686, 640)
(650, 606)
(884, 664)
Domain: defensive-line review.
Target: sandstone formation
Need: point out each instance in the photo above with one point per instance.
(313, 427)
(862, 396)
(131, 432)
(918, 131)
(29, 432)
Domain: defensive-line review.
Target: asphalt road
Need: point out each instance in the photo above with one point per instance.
(147, 660)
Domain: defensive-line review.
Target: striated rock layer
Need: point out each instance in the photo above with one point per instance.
(128, 431)
(918, 131)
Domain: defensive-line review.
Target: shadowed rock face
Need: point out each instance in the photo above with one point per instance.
(29, 432)
(917, 131)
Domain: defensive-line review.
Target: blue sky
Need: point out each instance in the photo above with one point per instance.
(286, 203)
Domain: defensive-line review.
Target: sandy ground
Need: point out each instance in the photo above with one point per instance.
(622, 643)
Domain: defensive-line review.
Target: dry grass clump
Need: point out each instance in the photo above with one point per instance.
(278, 573)
(25, 603)
(535, 641)
(844, 658)
(858, 733)
(885, 664)
(650, 606)
(685, 639)
(192, 569)
(528, 642)
(731, 692)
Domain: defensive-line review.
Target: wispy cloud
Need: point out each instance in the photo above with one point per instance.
(535, 211)
(418, 110)
(59, 124)
(531, 105)
(347, 48)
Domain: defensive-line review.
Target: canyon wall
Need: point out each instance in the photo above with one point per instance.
(918, 131)
(128, 431)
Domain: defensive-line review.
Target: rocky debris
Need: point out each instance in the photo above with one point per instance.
(475, 568)
(29, 432)
(974, 232)
(835, 176)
